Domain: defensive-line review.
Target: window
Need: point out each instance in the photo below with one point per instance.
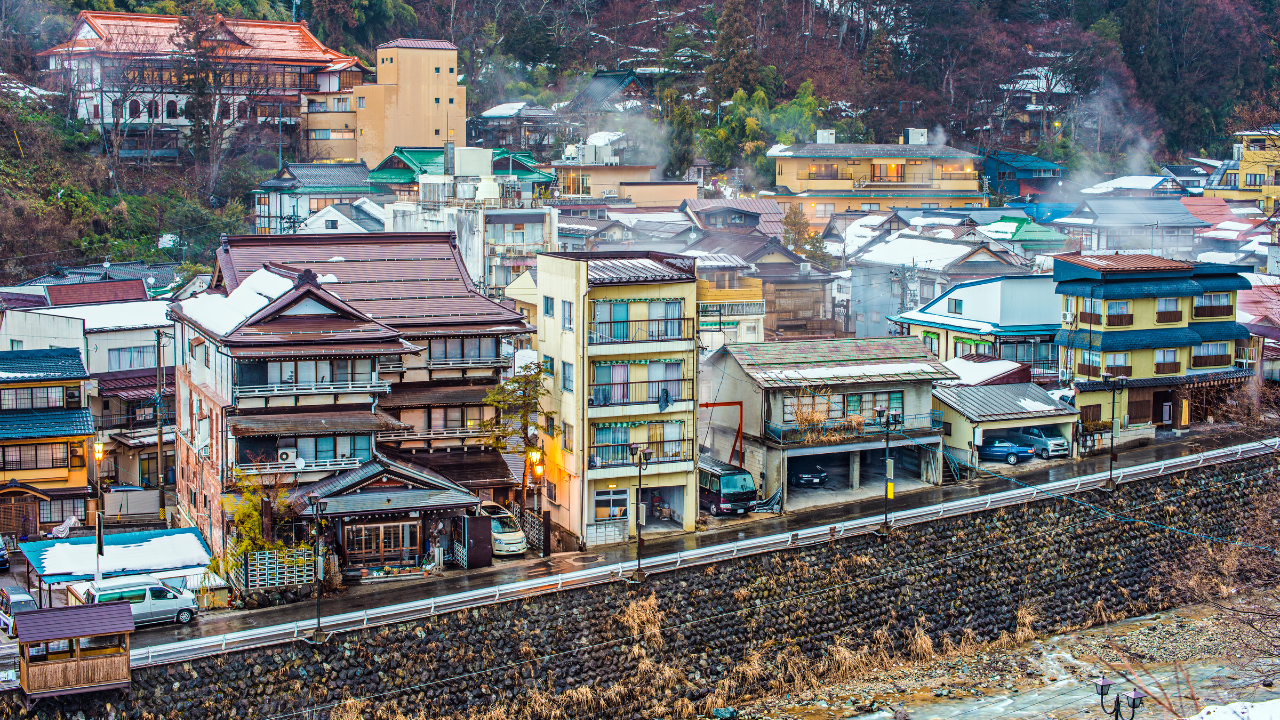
(548, 365)
(566, 376)
(1213, 300)
(566, 436)
(1230, 179)
(955, 306)
(450, 102)
(1006, 175)
(135, 110)
(566, 315)
(1166, 304)
(611, 505)
(824, 210)
(548, 306)
(1069, 303)
(1117, 360)
(437, 102)
(946, 428)
(450, 71)
(55, 511)
(870, 206)
(44, 456)
(131, 358)
(318, 134)
(31, 398)
(928, 206)
(170, 109)
(1091, 357)
(1167, 356)
(931, 341)
(437, 71)
(1254, 179)
(341, 105)
(1207, 349)
(15, 345)
(1091, 305)
(1118, 307)
(550, 424)
(360, 103)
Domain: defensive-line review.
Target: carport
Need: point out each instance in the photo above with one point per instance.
(857, 470)
(969, 414)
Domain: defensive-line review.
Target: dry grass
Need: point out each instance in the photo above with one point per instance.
(643, 619)
(1026, 616)
(1098, 615)
(350, 709)
(682, 708)
(921, 647)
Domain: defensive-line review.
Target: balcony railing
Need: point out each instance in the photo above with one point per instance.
(1210, 360)
(640, 393)
(1168, 368)
(959, 176)
(1168, 316)
(664, 451)
(395, 365)
(432, 433)
(1118, 370)
(730, 309)
(1120, 320)
(1208, 311)
(314, 388)
(840, 430)
(346, 463)
(1088, 370)
(629, 331)
(1044, 367)
(129, 421)
(468, 362)
(1088, 318)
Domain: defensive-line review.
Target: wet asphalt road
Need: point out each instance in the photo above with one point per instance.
(515, 570)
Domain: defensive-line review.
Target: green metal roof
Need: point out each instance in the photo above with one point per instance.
(430, 161)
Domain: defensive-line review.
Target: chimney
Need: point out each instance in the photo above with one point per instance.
(448, 157)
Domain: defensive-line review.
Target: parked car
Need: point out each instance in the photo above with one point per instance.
(14, 600)
(1047, 441)
(1002, 449)
(508, 538)
(806, 475)
(4, 558)
(149, 598)
(724, 488)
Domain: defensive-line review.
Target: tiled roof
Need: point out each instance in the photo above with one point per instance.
(416, 44)
(30, 424)
(379, 464)
(1124, 263)
(854, 150)
(133, 384)
(39, 365)
(763, 207)
(603, 86)
(313, 422)
(407, 395)
(1215, 378)
(984, 403)
(430, 161)
(98, 292)
(834, 362)
(1121, 340)
(399, 500)
(296, 175)
(161, 275)
(21, 301)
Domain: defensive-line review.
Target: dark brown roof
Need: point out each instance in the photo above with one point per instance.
(403, 280)
(349, 349)
(73, 621)
(416, 44)
(315, 422)
(132, 384)
(1123, 263)
(471, 469)
(405, 395)
(99, 292)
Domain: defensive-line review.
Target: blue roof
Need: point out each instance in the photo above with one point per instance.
(31, 424)
(1045, 212)
(1022, 161)
(996, 330)
(117, 554)
(38, 365)
(1123, 290)
(1219, 331)
(1223, 283)
(1121, 340)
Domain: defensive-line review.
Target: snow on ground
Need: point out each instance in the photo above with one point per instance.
(1269, 710)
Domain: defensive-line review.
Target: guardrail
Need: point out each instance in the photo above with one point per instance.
(403, 612)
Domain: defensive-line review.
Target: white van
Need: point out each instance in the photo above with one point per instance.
(149, 598)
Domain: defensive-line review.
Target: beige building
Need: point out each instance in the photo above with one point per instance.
(416, 101)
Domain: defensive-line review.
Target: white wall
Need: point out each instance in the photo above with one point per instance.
(1030, 301)
(100, 343)
(41, 332)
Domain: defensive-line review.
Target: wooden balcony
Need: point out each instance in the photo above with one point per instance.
(1210, 360)
(1168, 368)
(72, 674)
(1168, 316)
(1213, 311)
(1087, 318)
(1088, 370)
(1119, 370)
(1120, 320)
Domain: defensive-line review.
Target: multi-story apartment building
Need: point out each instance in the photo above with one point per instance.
(826, 177)
(1253, 173)
(730, 305)
(46, 436)
(415, 101)
(1167, 326)
(616, 336)
(121, 69)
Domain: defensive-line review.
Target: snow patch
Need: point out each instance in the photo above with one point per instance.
(928, 221)
(1269, 710)
(976, 373)
(1034, 405)
(1233, 225)
(115, 316)
(161, 553)
(504, 110)
(221, 315)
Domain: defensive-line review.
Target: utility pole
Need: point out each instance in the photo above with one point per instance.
(160, 419)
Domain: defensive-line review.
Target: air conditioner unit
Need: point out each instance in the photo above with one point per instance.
(287, 455)
(1068, 317)
(71, 400)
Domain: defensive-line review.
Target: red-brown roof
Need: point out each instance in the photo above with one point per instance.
(97, 293)
(416, 44)
(137, 33)
(1123, 263)
(133, 384)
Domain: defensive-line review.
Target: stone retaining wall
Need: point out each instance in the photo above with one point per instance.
(657, 649)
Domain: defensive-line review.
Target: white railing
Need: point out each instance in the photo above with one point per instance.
(427, 434)
(730, 309)
(403, 612)
(468, 362)
(292, 467)
(314, 388)
(396, 365)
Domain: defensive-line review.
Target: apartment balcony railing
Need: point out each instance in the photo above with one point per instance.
(396, 365)
(468, 362)
(959, 176)
(630, 331)
(1210, 360)
(730, 309)
(313, 388)
(664, 451)
(129, 421)
(1088, 370)
(841, 430)
(346, 463)
(1088, 318)
(1120, 320)
(1119, 370)
(640, 393)
(432, 433)
(1044, 367)
(1168, 368)
(1208, 311)
(1168, 316)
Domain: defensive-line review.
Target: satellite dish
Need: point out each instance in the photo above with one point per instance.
(300, 463)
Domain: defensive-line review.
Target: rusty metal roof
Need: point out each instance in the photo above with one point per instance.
(408, 395)
(133, 384)
(97, 292)
(74, 621)
(321, 423)
(838, 362)
(1124, 263)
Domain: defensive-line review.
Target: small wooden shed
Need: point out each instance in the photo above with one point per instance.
(74, 649)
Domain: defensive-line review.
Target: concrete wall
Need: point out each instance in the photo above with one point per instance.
(970, 573)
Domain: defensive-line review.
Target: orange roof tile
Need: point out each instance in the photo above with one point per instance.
(1123, 263)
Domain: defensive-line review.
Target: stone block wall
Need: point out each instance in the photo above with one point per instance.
(660, 648)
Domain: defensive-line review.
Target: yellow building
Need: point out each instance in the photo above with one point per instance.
(522, 292)
(416, 101)
(730, 306)
(1254, 174)
(1168, 327)
(46, 438)
(619, 349)
(828, 177)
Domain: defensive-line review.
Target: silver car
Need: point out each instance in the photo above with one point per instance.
(1046, 440)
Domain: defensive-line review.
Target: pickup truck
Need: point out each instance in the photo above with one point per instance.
(1046, 441)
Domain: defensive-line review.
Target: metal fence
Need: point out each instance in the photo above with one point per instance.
(271, 569)
(404, 612)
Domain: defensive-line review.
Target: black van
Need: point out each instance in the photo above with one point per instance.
(725, 489)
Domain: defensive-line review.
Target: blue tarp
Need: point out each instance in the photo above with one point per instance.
(133, 553)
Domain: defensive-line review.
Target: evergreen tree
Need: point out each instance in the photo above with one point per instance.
(518, 400)
(736, 62)
(682, 142)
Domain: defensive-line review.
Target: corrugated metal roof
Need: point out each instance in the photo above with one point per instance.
(73, 621)
(763, 207)
(30, 424)
(1209, 377)
(99, 292)
(379, 464)
(312, 422)
(985, 403)
(858, 150)
(399, 500)
(408, 395)
(53, 364)
(838, 362)
(1137, 211)
(1125, 263)
(416, 44)
(472, 469)
(133, 384)
(634, 270)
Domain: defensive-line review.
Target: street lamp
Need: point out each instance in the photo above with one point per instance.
(534, 455)
(641, 456)
(1132, 699)
(318, 506)
(887, 418)
(1114, 384)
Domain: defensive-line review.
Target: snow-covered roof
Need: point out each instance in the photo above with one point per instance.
(630, 219)
(1220, 234)
(1233, 225)
(1206, 161)
(1226, 258)
(504, 110)
(977, 326)
(922, 252)
(999, 230)
(923, 221)
(604, 137)
(1127, 182)
(114, 316)
(222, 314)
